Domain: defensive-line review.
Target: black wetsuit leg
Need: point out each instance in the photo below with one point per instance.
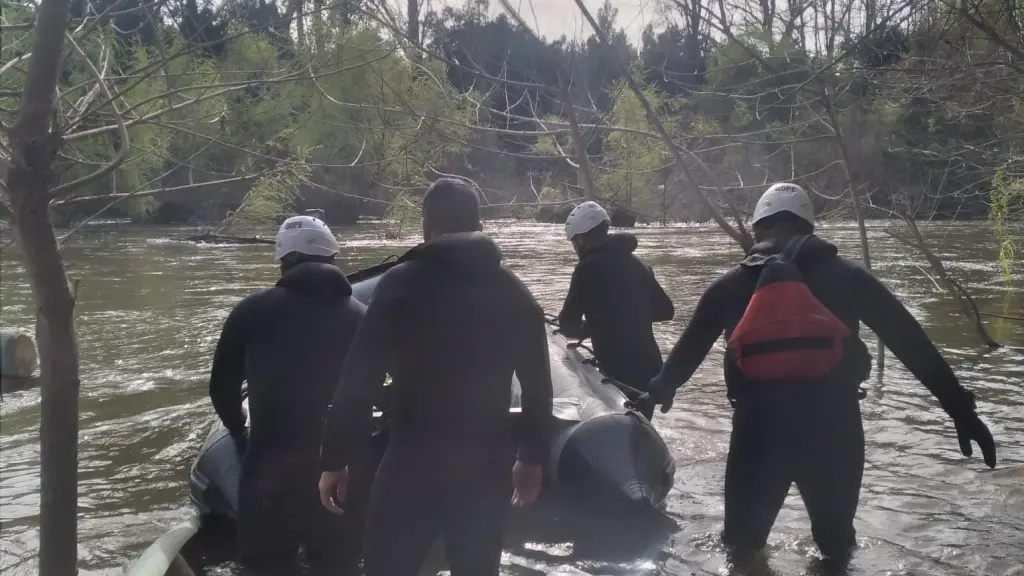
(404, 516)
(758, 474)
(476, 516)
(808, 434)
(273, 509)
(830, 474)
(422, 492)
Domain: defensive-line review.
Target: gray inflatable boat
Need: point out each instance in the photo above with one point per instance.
(605, 458)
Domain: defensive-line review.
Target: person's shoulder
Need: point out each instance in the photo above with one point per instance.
(641, 264)
(731, 281)
(399, 274)
(732, 274)
(506, 275)
(258, 299)
(515, 288)
(851, 264)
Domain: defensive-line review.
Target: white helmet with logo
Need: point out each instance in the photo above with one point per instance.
(585, 218)
(305, 235)
(784, 197)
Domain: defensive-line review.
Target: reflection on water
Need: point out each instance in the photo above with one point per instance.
(150, 311)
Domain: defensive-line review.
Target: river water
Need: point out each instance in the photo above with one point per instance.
(150, 310)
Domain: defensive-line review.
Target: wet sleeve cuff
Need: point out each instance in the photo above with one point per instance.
(532, 453)
(331, 459)
(959, 402)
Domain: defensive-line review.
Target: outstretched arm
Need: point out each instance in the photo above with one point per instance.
(902, 334)
(887, 317)
(705, 326)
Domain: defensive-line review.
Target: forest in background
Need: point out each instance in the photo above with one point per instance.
(240, 111)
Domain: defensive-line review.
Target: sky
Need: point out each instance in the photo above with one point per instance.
(557, 17)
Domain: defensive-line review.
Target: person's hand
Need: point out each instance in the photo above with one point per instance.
(970, 428)
(333, 487)
(241, 440)
(658, 392)
(527, 480)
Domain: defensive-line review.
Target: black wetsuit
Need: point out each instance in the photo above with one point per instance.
(450, 325)
(288, 342)
(620, 298)
(808, 434)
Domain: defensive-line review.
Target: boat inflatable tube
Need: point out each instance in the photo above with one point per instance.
(604, 457)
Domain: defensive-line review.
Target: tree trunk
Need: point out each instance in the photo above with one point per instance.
(850, 153)
(584, 176)
(58, 354)
(33, 147)
(413, 32)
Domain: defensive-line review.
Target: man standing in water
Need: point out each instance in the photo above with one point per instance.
(791, 312)
(288, 342)
(451, 325)
(618, 296)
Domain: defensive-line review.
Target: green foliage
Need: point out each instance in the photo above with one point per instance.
(1007, 214)
(403, 215)
(632, 159)
(339, 109)
(269, 199)
(349, 115)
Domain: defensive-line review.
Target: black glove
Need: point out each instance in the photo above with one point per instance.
(969, 427)
(658, 392)
(241, 440)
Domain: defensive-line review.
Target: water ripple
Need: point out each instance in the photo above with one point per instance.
(151, 308)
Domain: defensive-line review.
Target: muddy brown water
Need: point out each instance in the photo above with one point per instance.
(151, 308)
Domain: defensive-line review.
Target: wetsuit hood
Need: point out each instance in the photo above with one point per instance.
(814, 250)
(464, 251)
(316, 279)
(620, 242)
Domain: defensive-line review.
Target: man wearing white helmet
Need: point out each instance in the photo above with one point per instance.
(791, 312)
(613, 299)
(288, 343)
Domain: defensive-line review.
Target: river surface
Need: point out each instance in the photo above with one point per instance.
(150, 311)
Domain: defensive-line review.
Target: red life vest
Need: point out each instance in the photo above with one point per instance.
(786, 334)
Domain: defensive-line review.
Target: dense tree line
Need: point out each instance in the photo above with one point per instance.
(243, 109)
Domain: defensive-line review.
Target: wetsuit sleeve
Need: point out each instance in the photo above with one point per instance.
(349, 425)
(661, 305)
(228, 370)
(570, 319)
(705, 326)
(533, 370)
(887, 317)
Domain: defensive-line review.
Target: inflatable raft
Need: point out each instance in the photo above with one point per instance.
(604, 456)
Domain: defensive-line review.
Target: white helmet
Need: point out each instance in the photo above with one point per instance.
(784, 197)
(585, 218)
(305, 235)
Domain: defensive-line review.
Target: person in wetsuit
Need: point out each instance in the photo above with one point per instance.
(451, 325)
(288, 342)
(807, 432)
(613, 299)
